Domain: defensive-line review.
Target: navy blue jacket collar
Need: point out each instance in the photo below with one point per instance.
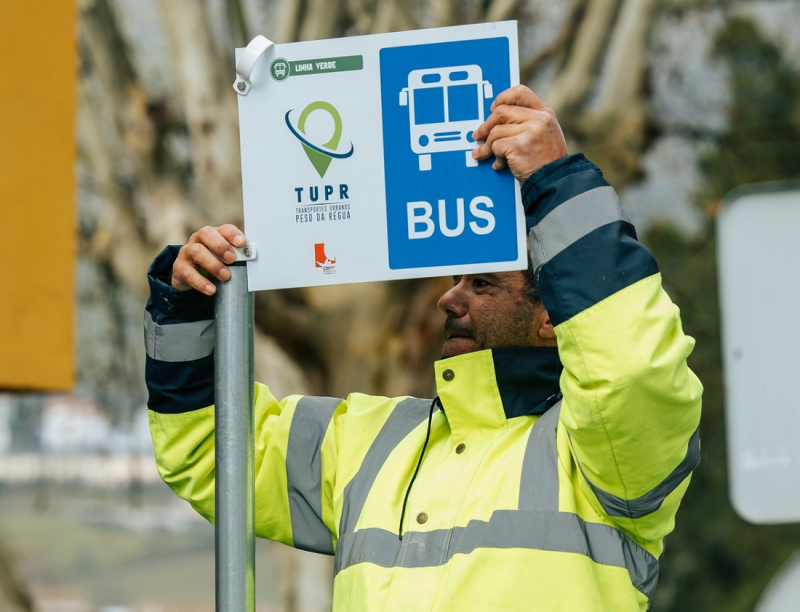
(527, 378)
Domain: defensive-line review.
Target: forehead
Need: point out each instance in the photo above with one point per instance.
(506, 277)
(512, 278)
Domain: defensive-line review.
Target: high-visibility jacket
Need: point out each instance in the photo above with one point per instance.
(541, 487)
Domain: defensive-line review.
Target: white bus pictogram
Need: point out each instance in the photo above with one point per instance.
(445, 107)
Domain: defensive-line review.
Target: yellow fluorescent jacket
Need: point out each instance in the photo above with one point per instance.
(524, 500)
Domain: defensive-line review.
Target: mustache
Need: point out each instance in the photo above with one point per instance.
(454, 327)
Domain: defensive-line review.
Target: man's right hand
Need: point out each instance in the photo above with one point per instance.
(204, 256)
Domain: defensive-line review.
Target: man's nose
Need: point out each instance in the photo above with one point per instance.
(453, 301)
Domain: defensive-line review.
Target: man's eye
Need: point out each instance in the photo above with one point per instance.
(479, 282)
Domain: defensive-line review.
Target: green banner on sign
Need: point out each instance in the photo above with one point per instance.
(281, 69)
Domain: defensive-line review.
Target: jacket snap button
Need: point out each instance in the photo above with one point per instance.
(448, 375)
(422, 517)
(460, 448)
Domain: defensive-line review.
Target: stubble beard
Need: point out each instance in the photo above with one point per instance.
(498, 332)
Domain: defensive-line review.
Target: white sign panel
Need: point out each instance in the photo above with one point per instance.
(357, 165)
(783, 591)
(759, 271)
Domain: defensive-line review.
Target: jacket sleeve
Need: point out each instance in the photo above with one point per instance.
(631, 407)
(296, 438)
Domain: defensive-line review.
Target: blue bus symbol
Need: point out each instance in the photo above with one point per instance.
(445, 107)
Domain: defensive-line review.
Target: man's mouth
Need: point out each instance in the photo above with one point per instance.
(458, 338)
(454, 329)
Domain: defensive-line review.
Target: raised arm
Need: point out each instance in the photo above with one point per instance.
(296, 438)
(631, 405)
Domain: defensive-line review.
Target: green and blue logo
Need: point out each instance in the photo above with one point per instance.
(320, 155)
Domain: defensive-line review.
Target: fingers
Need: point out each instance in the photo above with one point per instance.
(214, 241)
(185, 277)
(507, 120)
(506, 150)
(503, 143)
(516, 105)
(521, 132)
(510, 114)
(519, 95)
(205, 255)
(499, 163)
(232, 234)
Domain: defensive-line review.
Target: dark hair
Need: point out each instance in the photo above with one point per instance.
(531, 291)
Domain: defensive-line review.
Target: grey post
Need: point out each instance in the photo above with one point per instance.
(235, 447)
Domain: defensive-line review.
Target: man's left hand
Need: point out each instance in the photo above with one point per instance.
(522, 133)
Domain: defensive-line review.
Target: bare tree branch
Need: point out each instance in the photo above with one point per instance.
(116, 141)
(362, 12)
(240, 32)
(530, 66)
(112, 77)
(575, 80)
(500, 10)
(209, 106)
(289, 21)
(109, 51)
(624, 66)
(443, 12)
(393, 16)
(615, 127)
(320, 20)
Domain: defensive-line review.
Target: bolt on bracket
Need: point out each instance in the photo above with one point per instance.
(246, 253)
(244, 67)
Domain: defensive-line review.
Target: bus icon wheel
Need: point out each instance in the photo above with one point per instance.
(424, 162)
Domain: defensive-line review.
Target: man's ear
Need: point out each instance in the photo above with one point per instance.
(546, 330)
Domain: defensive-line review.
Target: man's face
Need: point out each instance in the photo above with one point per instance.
(491, 311)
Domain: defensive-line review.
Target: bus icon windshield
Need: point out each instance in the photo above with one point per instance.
(445, 107)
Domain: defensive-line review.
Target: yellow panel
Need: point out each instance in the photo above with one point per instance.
(38, 61)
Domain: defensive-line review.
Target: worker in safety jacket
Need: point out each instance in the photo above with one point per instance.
(536, 486)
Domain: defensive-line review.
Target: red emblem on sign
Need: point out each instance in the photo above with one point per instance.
(321, 260)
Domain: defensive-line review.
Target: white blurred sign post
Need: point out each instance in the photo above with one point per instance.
(783, 591)
(356, 166)
(759, 272)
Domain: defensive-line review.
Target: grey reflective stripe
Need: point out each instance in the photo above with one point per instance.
(304, 472)
(405, 417)
(652, 500)
(573, 220)
(178, 342)
(546, 531)
(539, 481)
(384, 548)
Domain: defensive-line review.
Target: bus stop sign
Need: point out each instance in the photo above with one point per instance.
(357, 158)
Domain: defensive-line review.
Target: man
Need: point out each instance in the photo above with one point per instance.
(523, 485)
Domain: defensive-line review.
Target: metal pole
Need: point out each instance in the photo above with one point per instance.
(235, 446)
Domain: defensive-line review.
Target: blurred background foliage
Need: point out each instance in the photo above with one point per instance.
(678, 101)
(716, 560)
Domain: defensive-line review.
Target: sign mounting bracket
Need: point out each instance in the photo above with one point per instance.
(244, 67)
